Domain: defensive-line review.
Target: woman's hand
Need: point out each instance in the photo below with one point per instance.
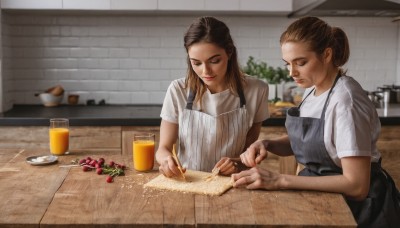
(256, 178)
(227, 166)
(168, 137)
(168, 167)
(254, 154)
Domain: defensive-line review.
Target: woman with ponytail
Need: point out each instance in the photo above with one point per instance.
(332, 133)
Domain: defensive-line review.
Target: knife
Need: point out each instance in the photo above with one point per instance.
(178, 162)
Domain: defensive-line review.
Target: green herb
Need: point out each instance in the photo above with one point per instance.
(260, 69)
(272, 75)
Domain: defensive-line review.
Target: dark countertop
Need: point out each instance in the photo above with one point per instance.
(123, 115)
(82, 115)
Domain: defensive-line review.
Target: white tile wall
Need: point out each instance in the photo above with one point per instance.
(132, 59)
(2, 97)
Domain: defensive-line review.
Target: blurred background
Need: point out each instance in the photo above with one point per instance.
(128, 52)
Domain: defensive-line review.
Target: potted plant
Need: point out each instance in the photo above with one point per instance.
(273, 75)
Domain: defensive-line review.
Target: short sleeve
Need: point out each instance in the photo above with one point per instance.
(174, 101)
(256, 93)
(261, 110)
(352, 131)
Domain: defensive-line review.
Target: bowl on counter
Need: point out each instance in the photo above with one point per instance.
(50, 100)
(57, 90)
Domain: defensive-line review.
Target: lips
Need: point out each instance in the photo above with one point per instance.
(208, 78)
(299, 81)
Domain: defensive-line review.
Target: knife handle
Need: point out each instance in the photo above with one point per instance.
(178, 162)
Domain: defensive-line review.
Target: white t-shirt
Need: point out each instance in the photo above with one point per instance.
(352, 125)
(255, 92)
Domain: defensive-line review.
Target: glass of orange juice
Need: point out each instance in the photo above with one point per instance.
(143, 151)
(59, 136)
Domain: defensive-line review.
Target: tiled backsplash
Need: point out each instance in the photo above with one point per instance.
(132, 59)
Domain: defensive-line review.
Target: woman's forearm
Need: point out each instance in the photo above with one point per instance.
(253, 134)
(279, 146)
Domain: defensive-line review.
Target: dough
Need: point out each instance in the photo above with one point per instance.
(196, 182)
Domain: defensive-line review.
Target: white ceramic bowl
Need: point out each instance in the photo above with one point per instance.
(49, 100)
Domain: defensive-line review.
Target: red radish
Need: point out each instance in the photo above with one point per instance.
(109, 179)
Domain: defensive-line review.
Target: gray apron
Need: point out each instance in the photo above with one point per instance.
(204, 139)
(381, 208)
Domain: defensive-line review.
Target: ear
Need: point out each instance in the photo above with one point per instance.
(328, 54)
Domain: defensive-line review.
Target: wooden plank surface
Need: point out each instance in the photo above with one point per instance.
(61, 197)
(8, 155)
(26, 190)
(123, 202)
(300, 209)
(231, 209)
(274, 209)
(87, 138)
(389, 146)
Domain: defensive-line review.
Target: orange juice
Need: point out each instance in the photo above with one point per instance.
(59, 140)
(143, 155)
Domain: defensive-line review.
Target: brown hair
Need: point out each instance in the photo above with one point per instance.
(211, 30)
(319, 36)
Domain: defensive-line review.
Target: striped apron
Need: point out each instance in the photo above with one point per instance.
(205, 139)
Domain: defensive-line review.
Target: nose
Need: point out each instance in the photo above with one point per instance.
(292, 70)
(206, 69)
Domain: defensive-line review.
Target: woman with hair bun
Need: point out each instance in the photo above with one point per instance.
(332, 133)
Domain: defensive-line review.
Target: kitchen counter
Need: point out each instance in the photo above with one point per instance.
(54, 196)
(82, 115)
(126, 115)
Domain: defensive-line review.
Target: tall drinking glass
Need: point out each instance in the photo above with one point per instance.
(59, 136)
(143, 151)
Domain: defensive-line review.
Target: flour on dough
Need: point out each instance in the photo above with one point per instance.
(197, 182)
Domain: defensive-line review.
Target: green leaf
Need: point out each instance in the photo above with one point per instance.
(261, 70)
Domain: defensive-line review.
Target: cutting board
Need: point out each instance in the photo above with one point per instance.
(197, 182)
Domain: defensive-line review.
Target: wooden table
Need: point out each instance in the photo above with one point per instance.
(52, 196)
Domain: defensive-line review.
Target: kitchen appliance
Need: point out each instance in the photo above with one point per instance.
(376, 98)
(391, 93)
(352, 8)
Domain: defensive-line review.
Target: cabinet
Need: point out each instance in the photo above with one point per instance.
(222, 5)
(133, 4)
(180, 5)
(89, 139)
(273, 7)
(31, 4)
(87, 4)
(262, 5)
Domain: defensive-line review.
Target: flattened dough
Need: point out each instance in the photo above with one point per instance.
(196, 182)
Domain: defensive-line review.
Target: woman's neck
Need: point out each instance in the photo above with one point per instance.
(326, 83)
(218, 88)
